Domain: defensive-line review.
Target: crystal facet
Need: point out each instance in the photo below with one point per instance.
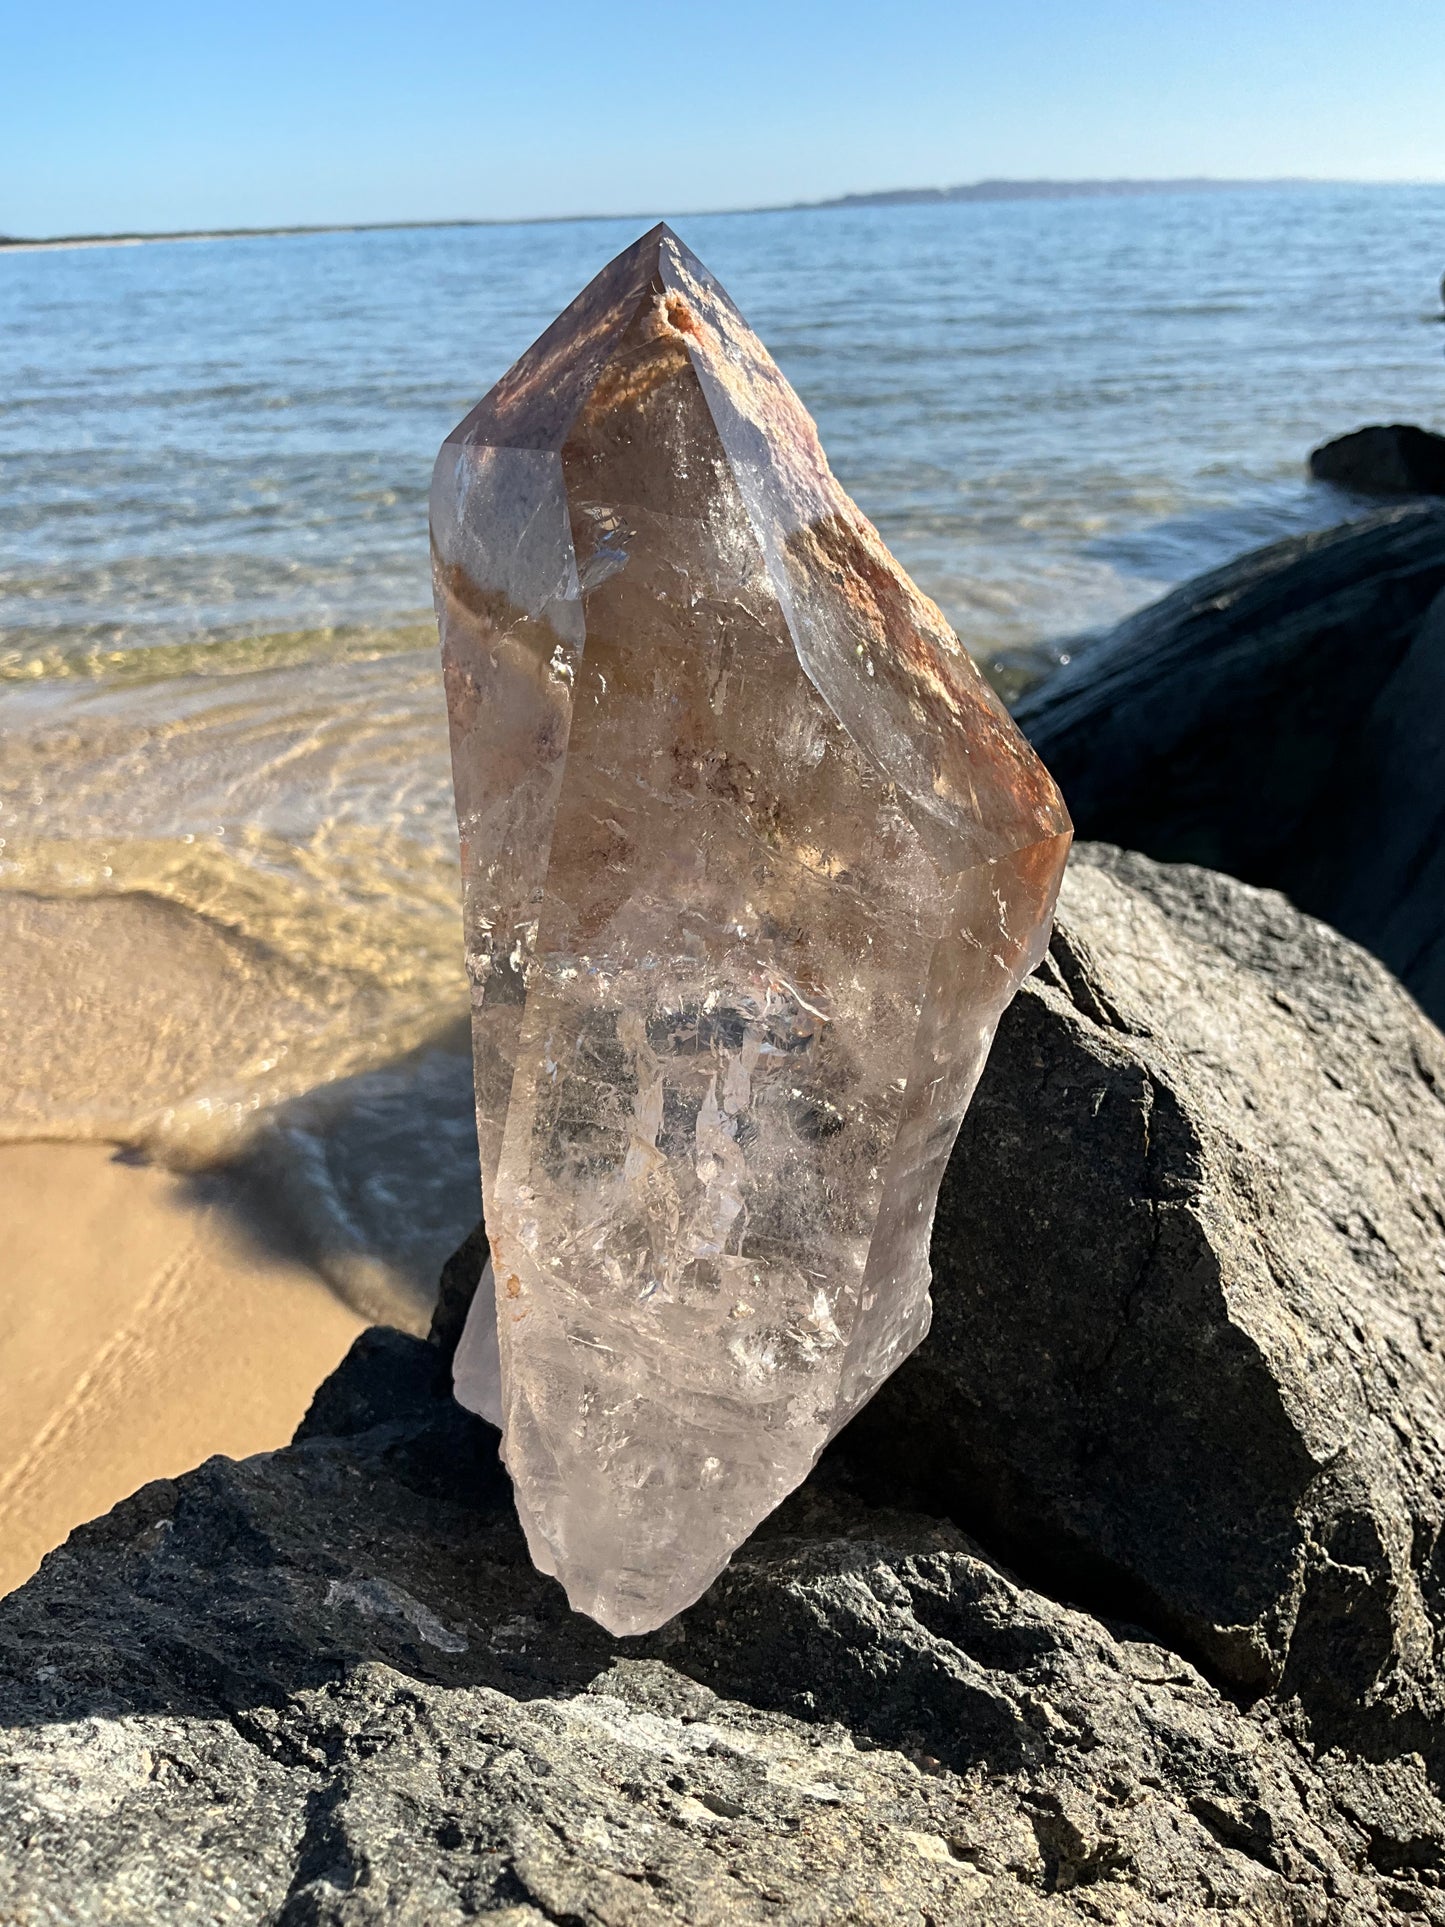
(753, 861)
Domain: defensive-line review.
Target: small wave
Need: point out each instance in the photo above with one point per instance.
(90, 659)
(132, 1019)
(377, 1174)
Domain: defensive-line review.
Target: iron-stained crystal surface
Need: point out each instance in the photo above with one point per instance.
(753, 861)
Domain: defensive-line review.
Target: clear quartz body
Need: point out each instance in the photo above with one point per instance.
(753, 862)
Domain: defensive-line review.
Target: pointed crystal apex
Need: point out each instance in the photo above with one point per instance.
(753, 861)
(535, 403)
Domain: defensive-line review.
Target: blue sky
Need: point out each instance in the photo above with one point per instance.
(146, 115)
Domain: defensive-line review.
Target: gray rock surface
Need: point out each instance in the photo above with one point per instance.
(1188, 1292)
(1189, 1278)
(318, 1687)
(1398, 459)
(1281, 719)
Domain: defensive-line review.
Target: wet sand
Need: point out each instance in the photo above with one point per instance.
(144, 1326)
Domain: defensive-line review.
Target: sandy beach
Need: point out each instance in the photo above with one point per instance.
(145, 1324)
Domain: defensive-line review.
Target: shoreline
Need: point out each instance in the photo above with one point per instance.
(975, 191)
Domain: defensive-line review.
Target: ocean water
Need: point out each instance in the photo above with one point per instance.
(228, 908)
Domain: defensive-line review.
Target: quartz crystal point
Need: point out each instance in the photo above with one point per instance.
(753, 861)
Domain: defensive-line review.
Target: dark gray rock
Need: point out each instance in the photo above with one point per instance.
(1282, 719)
(1379, 865)
(1188, 1301)
(1394, 460)
(327, 1686)
(1189, 1279)
(459, 1278)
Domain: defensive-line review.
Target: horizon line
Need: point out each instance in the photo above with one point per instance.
(994, 189)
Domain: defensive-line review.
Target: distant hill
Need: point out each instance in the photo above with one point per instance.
(886, 197)
(1046, 191)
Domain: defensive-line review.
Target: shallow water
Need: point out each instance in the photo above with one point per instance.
(228, 927)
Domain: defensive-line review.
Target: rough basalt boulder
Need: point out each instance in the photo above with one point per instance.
(1398, 459)
(1281, 719)
(327, 1686)
(1182, 1378)
(1186, 1360)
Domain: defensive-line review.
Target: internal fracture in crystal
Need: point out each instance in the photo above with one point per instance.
(753, 861)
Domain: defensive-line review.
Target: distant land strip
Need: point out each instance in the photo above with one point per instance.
(886, 197)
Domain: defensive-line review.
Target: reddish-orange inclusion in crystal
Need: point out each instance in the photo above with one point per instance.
(753, 861)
